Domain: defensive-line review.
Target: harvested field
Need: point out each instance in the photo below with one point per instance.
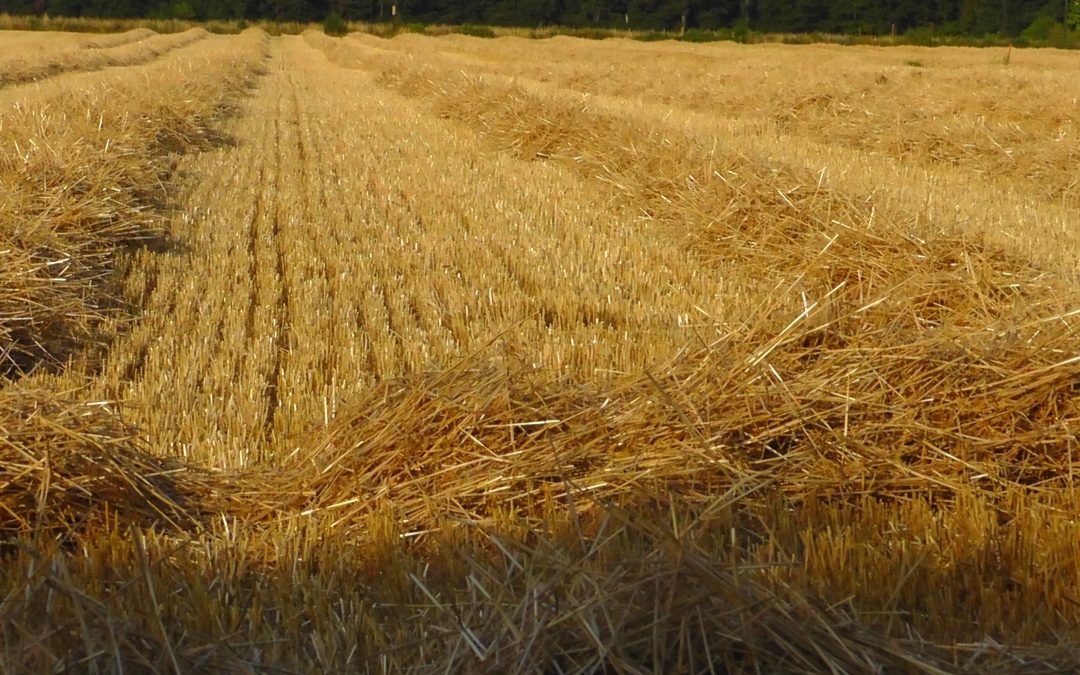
(47, 41)
(939, 107)
(39, 60)
(446, 354)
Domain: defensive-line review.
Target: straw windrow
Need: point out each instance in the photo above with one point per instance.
(132, 48)
(79, 187)
(948, 112)
(83, 173)
(891, 359)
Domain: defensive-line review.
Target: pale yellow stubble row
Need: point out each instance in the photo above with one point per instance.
(351, 237)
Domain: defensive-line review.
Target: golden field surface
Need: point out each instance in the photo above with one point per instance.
(444, 354)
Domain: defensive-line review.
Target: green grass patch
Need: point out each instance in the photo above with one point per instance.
(476, 31)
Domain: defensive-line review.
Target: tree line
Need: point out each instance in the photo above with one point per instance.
(876, 17)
